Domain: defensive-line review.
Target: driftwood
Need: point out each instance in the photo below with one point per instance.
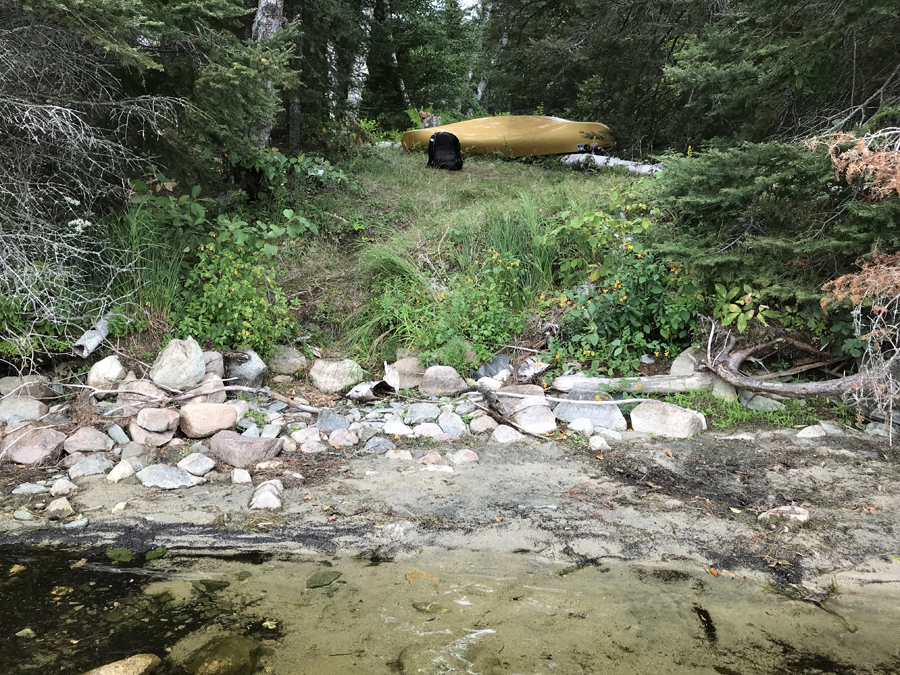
(651, 384)
(168, 400)
(624, 401)
(728, 365)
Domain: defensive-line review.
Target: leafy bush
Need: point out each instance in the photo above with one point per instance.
(233, 300)
(637, 305)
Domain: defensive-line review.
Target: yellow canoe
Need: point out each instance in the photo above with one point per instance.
(518, 136)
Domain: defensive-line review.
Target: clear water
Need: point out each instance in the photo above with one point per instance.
(433, 613)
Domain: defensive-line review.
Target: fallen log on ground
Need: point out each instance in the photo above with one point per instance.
(650, 384)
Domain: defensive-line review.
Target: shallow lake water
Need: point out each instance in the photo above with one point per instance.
(433, 613)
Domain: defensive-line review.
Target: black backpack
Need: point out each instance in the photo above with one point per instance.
(444, 152)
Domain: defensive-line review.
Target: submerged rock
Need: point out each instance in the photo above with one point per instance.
(232, 655)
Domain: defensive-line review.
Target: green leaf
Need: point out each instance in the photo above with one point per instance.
(742, 323)
(155, 553)
(139, 185)
(288, 213)
(195, 191)
(270, 249)
(120, 554)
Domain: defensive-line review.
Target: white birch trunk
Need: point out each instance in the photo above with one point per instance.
(268, 19)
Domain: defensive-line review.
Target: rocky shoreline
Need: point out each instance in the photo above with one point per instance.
(432, 467)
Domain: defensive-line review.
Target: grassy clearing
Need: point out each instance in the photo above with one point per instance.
(416, 236)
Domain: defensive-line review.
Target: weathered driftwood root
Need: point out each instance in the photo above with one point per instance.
(728, 365)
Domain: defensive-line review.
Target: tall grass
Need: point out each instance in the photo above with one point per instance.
(150, 256)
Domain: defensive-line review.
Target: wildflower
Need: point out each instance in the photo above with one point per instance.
(542, 296)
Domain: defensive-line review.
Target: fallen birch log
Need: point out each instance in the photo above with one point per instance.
(651, 384)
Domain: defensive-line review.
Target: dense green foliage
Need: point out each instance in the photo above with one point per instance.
(264, 156)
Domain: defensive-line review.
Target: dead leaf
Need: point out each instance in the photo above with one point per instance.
(734, 510)
(669, 453)
(15, 569)
(417, 575)
(76, 565)
(714, 571)
(599, 456)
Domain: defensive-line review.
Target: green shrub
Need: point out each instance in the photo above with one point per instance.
(464, 322)
(232, 300)
(769, 215)
(637, 305)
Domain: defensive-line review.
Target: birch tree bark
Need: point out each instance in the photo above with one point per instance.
(267, 22)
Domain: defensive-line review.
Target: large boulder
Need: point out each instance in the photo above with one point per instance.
(287, 360)
(334, 375)
(179, 366)
(106, 373)
(88, 439)
(201, 420)
(32, 446)
(242, 451)
(15, 409)
(245, 369)
(132, 393)
(605, 416)
(410, 371)
(442, 381)
(665, 420)
(35, 386)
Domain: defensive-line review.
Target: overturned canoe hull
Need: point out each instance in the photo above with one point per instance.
(518, 136)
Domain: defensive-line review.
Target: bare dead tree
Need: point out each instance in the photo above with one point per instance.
(62, 154)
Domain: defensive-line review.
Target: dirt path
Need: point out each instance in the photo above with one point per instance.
(698, 506)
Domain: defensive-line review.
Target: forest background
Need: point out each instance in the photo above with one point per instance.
(180, 166)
